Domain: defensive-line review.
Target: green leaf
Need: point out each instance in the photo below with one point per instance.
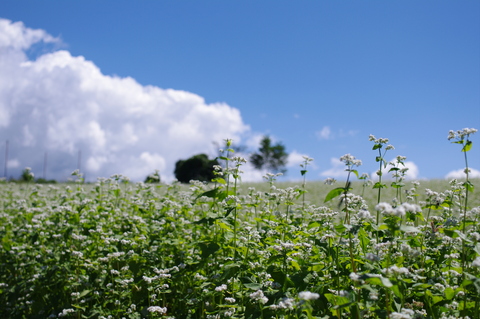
(376, 280)
(379, 185)
(354, 171)
(303, 172)
(220, 180)
(340, 228)
(211, 193)
(397, 184)
(229, 210)
(467, 147)
(253, 286)
(477, 248)
(334, 193)
(208, 248)
(449, 293)
(376, 147)
(364, 239)
(396, 291)
(469, 186)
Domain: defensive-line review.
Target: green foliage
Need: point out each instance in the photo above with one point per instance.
(45, 181)
(27, 175)
(153, 178)
(198, 167)
(270, 156)
(122, 250)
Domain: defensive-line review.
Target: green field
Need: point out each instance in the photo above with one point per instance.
(121, 250)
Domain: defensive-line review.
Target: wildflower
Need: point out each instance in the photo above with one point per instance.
(259, 296)
(78, 254)
(384, 208)
(461, 134)
(363, 214)
(230, 300)
(221, 288)
(372, 257)
(65, 312)
(354, 276)
(286, 303)
(307, 295)
(404, 314)
(397, 270)
(330, 181)
(239, 159)
(156, 309)
(350, 160)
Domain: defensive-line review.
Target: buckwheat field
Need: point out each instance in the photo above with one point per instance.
(387, 248)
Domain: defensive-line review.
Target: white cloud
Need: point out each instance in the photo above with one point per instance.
(411, 174)
(413, 170)
(13, 163)
(61, 104)
(460, 174)
(324, 134)
(337, 169)
(16, 36)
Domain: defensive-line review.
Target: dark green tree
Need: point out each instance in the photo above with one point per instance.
(27, 175)
(269, 156)
(198, 167)
(153, 178)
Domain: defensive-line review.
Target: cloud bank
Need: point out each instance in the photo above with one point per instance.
(63, 106)
(460, 174)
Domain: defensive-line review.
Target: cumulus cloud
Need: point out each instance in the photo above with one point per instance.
(337, 169)
(324, 134)
(63, 104)
(460, 173)
(411, 174)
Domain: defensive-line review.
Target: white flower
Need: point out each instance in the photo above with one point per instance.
(259, 296)
(330, 181)
(354, 276)
(307, 295)
(404, 314)
(384, 208)
(221, 288)
(461, 134)
(350, 160)
(65, 312)
(157, 309)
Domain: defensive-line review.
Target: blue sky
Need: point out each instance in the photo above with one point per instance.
(319, 76)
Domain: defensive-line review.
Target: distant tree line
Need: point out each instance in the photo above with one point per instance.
(269, 156)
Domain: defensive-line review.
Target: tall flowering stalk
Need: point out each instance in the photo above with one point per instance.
(380, 159)
(462, 138)
(306, 160)
(399, 174)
